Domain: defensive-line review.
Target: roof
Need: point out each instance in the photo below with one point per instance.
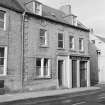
(101, 38)
(56, 15)
(52, 13)
(47, 12)
(11, 4)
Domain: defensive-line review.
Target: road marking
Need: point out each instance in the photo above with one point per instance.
(79, 103)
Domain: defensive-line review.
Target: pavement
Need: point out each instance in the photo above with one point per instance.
(28, 95)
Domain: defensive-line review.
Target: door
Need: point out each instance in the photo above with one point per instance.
(83, 73)
(74, 73)
(60, 72)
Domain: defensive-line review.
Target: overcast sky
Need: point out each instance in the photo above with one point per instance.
(89, 12)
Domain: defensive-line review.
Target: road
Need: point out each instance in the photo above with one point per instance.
(96, 97)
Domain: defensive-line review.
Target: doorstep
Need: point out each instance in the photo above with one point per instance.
(27, 95)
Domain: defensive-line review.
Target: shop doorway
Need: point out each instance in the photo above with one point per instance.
(60, 72)
(83, 73)
(74, 73)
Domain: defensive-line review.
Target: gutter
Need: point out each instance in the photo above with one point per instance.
(13, 9)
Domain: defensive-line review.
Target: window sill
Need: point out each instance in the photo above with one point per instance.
(81, 51)
(2, 75)
(72, 50)
(42, 78)
(43, 46)
(60, 49)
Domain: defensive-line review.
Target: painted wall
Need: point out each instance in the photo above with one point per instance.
(98, 64)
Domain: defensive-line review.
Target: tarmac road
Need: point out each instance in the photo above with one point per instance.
(96, 97)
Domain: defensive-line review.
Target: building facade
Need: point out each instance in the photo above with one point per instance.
(10, 44)
(56, 54)
(97, 58)
(47, 48)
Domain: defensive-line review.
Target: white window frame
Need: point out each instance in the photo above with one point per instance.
(42, 69)
(4, 20)
(61, 40)
(5, 61)
(45, 37)
(82, 44)
(71, 42)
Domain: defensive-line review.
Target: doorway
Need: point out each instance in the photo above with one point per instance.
(60, 72)
(83, 73)
(74, 73)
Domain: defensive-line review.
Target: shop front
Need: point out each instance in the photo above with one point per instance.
(80, 71)
(73, 71)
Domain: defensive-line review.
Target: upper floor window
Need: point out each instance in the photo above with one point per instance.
(37, 8)
(81, 48)
(43, 37)
(42, 67)
(3, 60)
(2, 19)
(60, 40)
(71, 42)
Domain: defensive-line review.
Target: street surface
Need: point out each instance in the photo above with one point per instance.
(95, 97)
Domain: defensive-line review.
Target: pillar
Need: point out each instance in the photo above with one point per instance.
(69, 72)
(70, 69)
(78, 73)
(42, 66)
(88, 73)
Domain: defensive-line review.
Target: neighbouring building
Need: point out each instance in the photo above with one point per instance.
(42, 47)
(97, 53)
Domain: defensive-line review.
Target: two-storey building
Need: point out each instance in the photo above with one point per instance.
(47, 48)
(55, 48)
(97, 53)
(10, 44)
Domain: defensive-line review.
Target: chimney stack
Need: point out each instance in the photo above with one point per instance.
(69, 17)
(66, 9)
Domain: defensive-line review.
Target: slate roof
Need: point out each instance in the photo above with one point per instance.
(47, 12)
(101, 38)
(11, 4)
(54, 14)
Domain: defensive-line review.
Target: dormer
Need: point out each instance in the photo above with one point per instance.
(34, 7)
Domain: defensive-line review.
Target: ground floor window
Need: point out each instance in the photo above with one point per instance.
(3, 60)
(43, 67)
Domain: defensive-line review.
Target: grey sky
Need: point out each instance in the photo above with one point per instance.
(89, 12)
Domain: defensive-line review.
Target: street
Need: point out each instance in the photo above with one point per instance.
(96, 97)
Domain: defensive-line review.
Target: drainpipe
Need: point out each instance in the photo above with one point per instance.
(22, 49)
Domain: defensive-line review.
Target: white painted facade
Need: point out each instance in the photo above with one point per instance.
(99, 43)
